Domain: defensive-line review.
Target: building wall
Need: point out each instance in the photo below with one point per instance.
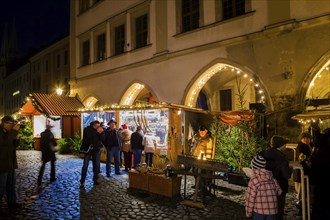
(277, 50)
(50, 68)
(16, 88)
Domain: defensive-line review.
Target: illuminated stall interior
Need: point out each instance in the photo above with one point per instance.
(43, 109)
(317, 100)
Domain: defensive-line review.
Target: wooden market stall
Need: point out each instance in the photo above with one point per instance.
(52, 109)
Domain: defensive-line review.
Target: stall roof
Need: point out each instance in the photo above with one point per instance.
(51, 104)
(321, 113)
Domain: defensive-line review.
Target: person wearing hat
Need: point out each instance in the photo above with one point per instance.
(262, 192)
(47, 144)
(277, 162)
(8, 162)
(304, 152)
(202, 143)
(112, 143)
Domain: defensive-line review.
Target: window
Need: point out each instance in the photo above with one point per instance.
(100, 52)
(190, 15)
(119, 39)
(65, 57)
(225, 100)
(83, 5)
(232, 8)
(58, 58)
(141, 27)
(85, 53)
(46, 66)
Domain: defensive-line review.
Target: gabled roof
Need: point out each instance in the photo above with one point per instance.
(52, 104)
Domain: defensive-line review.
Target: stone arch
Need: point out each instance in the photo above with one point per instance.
(137, 91)
(317, 78)
(228, 69)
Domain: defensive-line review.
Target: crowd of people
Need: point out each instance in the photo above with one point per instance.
(267, 187)
(117, 142)
(271, 168)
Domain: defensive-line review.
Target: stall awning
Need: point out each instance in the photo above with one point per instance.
(51, 104)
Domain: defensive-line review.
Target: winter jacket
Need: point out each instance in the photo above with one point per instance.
(92, 137)
(262, 192)
(8, 144)
(203, 144)
(47, 140)
(149, 143)
(111, 138)
(279, 165)
(126, 140)
(136, 140)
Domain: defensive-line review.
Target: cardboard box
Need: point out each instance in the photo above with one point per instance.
(138, 180)
(166, 186)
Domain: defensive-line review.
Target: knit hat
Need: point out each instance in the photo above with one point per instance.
(306, 135)
(258, 162)
(278, 141)
(124, 126)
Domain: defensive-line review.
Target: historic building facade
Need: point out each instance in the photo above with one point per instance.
(202, 54)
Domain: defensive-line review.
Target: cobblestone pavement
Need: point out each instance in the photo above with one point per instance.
(112, 199)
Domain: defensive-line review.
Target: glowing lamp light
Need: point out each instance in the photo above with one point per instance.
(59, 91)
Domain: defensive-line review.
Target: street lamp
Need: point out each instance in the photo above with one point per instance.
(59, 91)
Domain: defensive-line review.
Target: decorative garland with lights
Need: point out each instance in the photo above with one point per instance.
(123, 107)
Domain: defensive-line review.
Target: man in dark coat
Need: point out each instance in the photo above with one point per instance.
(92, 135)
(47, 144)
(8, 162)
(112, 143)
(320, 167)
(277, 162)
(137, 147)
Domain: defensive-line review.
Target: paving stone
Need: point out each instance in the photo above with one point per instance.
(112, 199)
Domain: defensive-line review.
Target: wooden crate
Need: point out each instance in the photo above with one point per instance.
(166, 186)
(138, 180)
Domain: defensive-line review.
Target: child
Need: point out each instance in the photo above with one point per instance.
(262, 192)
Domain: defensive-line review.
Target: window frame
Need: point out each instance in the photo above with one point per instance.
(136, 13)
(219, 11)
(100, 53)
(224, 99)
(85, 59)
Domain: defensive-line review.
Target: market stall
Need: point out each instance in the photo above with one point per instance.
(43, 109)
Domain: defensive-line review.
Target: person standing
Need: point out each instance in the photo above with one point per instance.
(126, 147)
(137, 147)
(304, 152)
(47, 143)
(92, 136)
(320, 167)
(150, 144)
(262, 192)
(8, 161)
(112, 145)
(277, 162)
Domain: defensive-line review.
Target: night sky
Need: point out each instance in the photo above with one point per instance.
(38, 22)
